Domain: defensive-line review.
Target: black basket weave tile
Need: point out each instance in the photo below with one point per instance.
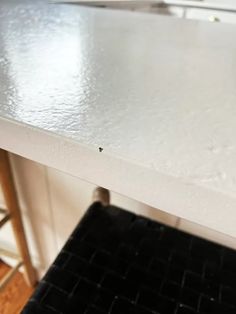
(118, 263)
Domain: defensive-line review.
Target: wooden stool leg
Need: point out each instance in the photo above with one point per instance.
(101, 195)
(9, 192)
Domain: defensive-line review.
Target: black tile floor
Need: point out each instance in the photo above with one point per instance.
(118, 263)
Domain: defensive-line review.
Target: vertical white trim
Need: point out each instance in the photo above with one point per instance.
(52, 220)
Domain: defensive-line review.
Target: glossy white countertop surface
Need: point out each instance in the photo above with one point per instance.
(158, 94)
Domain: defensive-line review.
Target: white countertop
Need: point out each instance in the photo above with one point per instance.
(158, 94)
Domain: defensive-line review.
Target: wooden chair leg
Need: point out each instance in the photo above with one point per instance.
(9, 192)
(10, 274)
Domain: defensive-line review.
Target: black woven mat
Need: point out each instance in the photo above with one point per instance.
(118, 263)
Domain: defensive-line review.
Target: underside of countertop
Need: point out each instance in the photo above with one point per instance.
(157, 94)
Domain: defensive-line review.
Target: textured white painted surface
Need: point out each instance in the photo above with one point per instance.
(157, 94)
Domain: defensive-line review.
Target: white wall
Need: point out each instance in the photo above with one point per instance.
(52, 203)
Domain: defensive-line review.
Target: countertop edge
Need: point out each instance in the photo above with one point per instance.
(172, 195)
